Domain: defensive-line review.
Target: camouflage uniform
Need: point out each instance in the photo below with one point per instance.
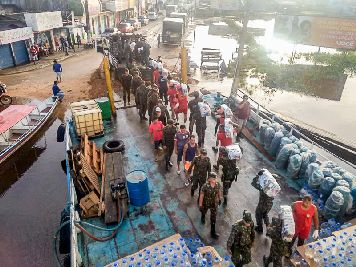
(279, 247)
(210, 200)
(230, 172)
(202, 167)
(194, 112)
(141, 96)
(264, 206)
(169, 133)
(135, 83)
(152, 101)
(240, 242)
(200, 124)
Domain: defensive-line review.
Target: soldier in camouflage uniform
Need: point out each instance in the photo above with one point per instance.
(230, 173)
(152, 101)
(169, 133)
(241, 240)
(141, 96)
(264, 206)
(279, 247)
(210, 198)
(202, 167)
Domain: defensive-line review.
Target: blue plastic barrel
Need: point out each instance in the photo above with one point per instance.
(137, 184)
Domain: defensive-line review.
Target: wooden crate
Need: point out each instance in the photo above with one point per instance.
(89, 205)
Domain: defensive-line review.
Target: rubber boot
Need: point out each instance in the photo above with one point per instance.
(265, 261)
(213, 232)
(191, 192)
(225, 201)
(202, 219)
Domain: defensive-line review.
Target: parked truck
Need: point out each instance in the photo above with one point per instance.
(183, 16)
(170, 9)
(172, 32)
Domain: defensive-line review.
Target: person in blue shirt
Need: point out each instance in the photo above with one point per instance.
(57, 68)
(57, 93)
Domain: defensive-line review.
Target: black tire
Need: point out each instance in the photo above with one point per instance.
(6, 100)
(114, 146)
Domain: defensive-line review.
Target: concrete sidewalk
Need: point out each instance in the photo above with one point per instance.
(43, 62)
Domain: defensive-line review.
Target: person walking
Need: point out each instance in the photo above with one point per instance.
(201, 167)
(279, 247)
(163, 88)
(242, 113)
(241, 240)
(200, 127)
(156, 133)
(79, 40)
(33, 52)
(57, 68)
(126, 80)
(141, 96)
(156, 74)
(173, 99)
(194, 110)
(181, 138)
(305, 213)
(135, 83)
(169, 133)
(164, 114)
(230, 173)
(210, 199)
(264, 205)
(152, 101)
(158, 40)
(190, 150)
(182, 105)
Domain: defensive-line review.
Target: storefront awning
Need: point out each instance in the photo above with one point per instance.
(15, 35)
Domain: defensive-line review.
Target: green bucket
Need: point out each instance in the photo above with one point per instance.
(104, 105)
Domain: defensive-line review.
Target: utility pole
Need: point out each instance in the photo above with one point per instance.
(240, 53)
(87, 20)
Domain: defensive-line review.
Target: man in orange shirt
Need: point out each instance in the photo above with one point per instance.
(156, 133)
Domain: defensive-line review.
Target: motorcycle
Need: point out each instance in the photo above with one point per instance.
(4, 98)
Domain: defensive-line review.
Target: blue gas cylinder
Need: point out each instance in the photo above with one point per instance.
(137, 185)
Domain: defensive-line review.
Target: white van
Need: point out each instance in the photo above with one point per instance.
(152, 16)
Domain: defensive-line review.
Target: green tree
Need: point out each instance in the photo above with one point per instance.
(76, 6)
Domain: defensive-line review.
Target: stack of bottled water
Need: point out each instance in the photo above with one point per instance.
(173, 254)
(334, 251)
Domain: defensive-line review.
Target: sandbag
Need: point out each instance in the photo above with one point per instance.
(326, 187)
(339, 170)
(303, 149)
(304, 165)
(299, 143)
(276, 126)
(316, 179)
(294, 152)
(342, 183)
(330, 213)
(295, 161)
(334, 201)
(293, 139)
(288, 227)
(336, 176)
(283, 156)
(262, 131)
(284, 141)
(347, 198)
(311, 168)
(328, 164)
(313, 156)
(349, 177)
(276, 141)
(269, 134)
(327, 172)
(269, 184)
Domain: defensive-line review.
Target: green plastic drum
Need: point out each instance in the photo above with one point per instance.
(104, 105)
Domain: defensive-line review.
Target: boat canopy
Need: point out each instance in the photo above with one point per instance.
(12, 115)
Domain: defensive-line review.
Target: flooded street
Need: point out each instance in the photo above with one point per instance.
(30, 207)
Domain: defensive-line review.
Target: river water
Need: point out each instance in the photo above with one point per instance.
(330, 111)
(32, 198)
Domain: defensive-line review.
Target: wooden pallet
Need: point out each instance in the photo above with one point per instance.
(93, 155)
(90, 174)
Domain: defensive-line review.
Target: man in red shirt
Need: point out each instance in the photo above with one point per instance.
(243, 113)
(182, 105)
(156, 75)
(156, 134)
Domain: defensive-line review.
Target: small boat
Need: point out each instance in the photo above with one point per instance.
(19, 123)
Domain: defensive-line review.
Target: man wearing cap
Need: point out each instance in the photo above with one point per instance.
(264, 206)
(230, 172)
(156, 133)
(279, 247)
(201, 167)
(210, 198)
(169, 133)
(163, 115)
(241, 240)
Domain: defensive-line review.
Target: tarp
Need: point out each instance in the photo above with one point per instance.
(12, 115)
